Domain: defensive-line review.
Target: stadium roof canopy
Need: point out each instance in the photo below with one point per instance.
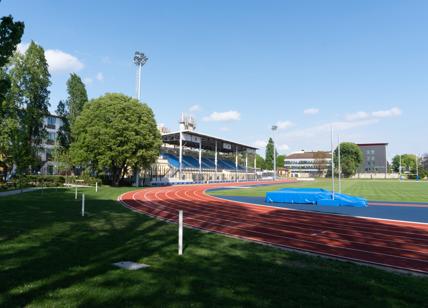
(192, 139)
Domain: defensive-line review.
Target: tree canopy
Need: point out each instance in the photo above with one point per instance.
(77, 97)
(408, 163)
(10, 36)
(351, 157)
(269, 155)
(29, 98)
(115, 134)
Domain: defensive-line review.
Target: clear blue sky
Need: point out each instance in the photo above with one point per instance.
(362, 65)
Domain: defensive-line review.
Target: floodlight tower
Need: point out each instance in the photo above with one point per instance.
(274, 128)
(139, 60)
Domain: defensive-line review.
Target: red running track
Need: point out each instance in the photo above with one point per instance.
(399, 245)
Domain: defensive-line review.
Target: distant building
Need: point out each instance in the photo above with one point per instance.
(308, 164)
(375, 160)
(52, 124)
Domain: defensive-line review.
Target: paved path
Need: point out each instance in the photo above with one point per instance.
(17, 191)
(400, 245)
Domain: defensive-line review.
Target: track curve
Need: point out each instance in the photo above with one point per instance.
(400, 245)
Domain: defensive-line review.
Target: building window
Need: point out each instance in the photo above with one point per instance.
(48, 154)
(368, 152)
(51, 122)
(51, 138)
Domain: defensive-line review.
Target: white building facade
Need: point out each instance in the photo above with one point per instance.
(52, 124)
(308, 164)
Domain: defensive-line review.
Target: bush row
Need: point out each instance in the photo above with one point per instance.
(47, 181)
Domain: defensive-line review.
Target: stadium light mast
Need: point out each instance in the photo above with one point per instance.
(274, 128)
(332, 161)
(139, 60)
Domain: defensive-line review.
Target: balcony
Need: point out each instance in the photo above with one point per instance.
(51, 126)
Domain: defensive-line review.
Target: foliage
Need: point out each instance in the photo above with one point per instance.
(351, 157)
(408, 163)
(114, 135)
(280, 161)
(63, 135)
(77, 97)
(269, 155)
(10, 36)
(260, 162)
(29, 91)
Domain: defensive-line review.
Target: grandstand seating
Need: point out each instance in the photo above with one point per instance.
(190, 162)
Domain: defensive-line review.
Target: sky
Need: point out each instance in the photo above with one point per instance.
(240, 67)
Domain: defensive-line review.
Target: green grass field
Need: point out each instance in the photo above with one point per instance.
(50, 256)
(377, 190)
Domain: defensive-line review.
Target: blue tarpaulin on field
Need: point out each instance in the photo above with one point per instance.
(316, 196)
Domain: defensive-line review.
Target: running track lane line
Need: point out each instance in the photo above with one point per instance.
(163, 203)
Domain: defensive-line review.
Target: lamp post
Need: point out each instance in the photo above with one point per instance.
(274, 128)
(139, 60)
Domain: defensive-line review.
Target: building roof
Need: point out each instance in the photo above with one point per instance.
(309, 155)
(208, 142)
(370, 144)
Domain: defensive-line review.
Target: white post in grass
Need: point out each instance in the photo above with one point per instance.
(180, 232)
(332, 162)
(339, 166)
(83, 205)
(75, 194)
(96, 186)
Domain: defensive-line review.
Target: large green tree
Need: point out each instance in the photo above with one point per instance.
(351, 157)
(77, 97)
(115, 134)
(408, 163)
(10, 36)
(269, 155)
(30, 81)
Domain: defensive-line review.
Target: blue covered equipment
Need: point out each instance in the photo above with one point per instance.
(316, 196)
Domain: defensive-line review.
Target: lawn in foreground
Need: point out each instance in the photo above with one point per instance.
(375, 190)
(51, 256)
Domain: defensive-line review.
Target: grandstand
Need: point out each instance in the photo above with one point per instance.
(188, 157)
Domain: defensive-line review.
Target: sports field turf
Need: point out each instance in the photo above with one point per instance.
(375, 190)
(51, 256)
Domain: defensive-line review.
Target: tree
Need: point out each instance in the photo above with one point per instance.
(408, 163)
(320, 162)
(63, 134)
(280, 161)
(30, 80)
(77, 97)
(351, 157)
(115, 134)
(260, 162)
(10, 36)
(269, 155)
